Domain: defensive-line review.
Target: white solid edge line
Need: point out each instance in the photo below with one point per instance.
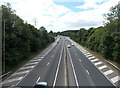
(73, 69)
(38, 79)
(58, 67)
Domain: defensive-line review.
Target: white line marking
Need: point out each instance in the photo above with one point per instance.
(79, 59)
(32, 63)
(23, 72)
(91, 57)
(11, 80)
(87, 72)
(115, 79)
(41, 57)
(12, 86)
(94, 60)
(38, 79)
(47, 63)
(36, 60)
(26, 67)
(36, 64)
(58, 67)
(98, 63)
(73, 69)
(108, 72)
(52, 55)
(102, 67)
(83, 52)
(92, 63)
(76, 54)
(86, 53)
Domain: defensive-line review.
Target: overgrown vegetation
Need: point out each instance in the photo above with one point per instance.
(105, 40)
(21, 39)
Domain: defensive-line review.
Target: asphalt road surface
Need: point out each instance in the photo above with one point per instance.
(59, 65)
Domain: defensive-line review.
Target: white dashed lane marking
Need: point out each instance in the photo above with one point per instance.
(87, 71)
(94, 60)
(23, 72)
(38, 80)
(79, 59)
(115, 79)
(102, 67)
(98, 63)
(108, 72)
(52, 55)
(47, 63)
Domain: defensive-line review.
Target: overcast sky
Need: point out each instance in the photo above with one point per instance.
(60, 15)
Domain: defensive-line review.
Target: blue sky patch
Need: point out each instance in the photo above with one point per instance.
(71, 5)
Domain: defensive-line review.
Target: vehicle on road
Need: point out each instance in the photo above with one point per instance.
(68, 46)
(41, 85)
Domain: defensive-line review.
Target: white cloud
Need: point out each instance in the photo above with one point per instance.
(58, 17)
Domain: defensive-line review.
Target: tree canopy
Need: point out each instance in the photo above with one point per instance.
(21, 39)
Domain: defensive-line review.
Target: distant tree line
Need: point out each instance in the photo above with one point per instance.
(105, 40)
(21, 39)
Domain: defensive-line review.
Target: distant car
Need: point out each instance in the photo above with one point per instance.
(68, 46)
(72, 44)
(57, 41)
(41, 85)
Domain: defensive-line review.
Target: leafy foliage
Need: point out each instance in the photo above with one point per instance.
(21, 39)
